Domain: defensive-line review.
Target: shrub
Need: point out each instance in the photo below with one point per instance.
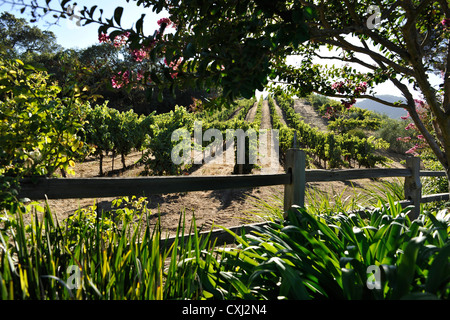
(158, 154)
(308, 256)
(115, 257)
(39, 131)
(327, 257)
(392, 129)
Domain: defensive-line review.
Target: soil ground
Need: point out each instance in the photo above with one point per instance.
(309, 115)
(225, 208)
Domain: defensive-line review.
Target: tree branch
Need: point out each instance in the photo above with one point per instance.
(342, 96)
(411, 40)
(446, 102)
(352, 60)
(375, 56)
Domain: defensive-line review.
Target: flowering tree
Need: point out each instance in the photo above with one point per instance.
(242, 45)
(229, 44)
(399, 42)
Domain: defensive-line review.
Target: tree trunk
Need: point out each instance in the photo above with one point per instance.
(112, 162)
(123, 161)
(101, 164)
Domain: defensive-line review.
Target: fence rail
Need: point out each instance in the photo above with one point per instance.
(294, 180)
(71, 188)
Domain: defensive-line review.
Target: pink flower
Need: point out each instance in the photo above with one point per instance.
(174, 66)
(445, 22)
(119, 80)
(338, 86)
(410, 126)
(348, 104)
(421, 137)
(413, 150)
(103, 38)
(419, 103)
(121, 39)
(165, 21)
(361, 88)
(404, 139)
(140, 75)
(139, 55)
(115, 83)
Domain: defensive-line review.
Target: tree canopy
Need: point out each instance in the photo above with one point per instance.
(244, 45)
(19, 39)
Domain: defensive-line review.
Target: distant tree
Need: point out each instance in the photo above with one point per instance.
(20, 40)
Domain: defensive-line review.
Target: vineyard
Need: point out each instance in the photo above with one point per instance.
(127, 144)
(67, 137)
(219, 155)
(102, 141)
(109, 131)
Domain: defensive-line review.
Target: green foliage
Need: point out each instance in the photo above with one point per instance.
(39, 131)
(390, 130)
(343, 120)
(433, 185)
(319, 256)
(109, 130)
(227, 44)
(285, 133)
(334, 150)
(116, 258)
(327, 256)
(320, 202)
(157, 157)
(20, 40)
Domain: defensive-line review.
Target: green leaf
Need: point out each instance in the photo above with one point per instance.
(439, 273)
(309, 12)
(115, 34)
(352, 289)
(190, 51)
(118, 14)
(140, 25)
(407, 267)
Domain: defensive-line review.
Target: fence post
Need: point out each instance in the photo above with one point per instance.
(413, 186)
(294, 193)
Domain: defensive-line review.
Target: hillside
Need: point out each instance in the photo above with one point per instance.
(394, 113)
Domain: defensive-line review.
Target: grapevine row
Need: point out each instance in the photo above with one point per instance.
(334, 150)
(109, 130)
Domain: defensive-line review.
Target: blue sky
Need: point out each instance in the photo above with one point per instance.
(69, 35)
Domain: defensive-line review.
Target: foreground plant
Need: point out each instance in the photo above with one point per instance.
(326, 256)
(331, 257)
(96, 257)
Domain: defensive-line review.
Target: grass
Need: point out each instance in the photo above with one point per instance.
(128, 261)
(317, 253)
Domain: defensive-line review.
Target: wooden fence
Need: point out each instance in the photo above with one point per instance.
(294, 179)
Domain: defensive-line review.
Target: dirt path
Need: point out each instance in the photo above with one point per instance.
(269, 160)
(309, 115)
(251, 113)
(266, 120)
